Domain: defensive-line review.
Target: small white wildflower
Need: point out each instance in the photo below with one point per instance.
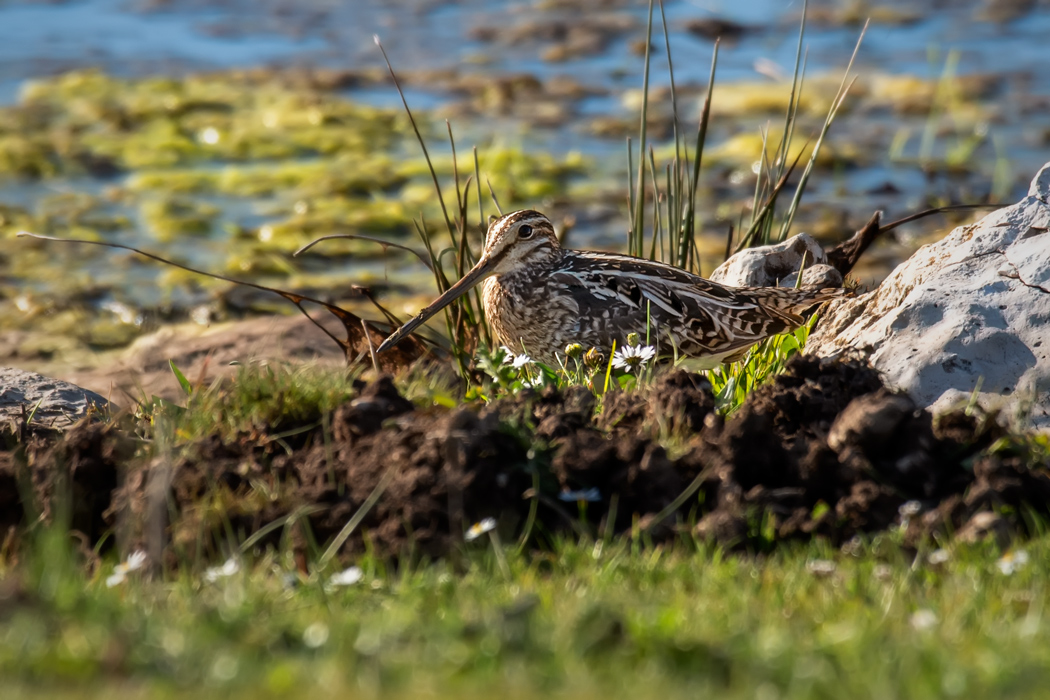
(536, 383)
(924, 619)
(520, 361)
(225, 667)
(514, 359)
(315, 635)
(938, 557)
(478, 529)
(135, 561)
(229, 568)
(591, 495)
(1012, 562)
(909, 509)
(346, 577)
(633, 357)
(821, 568)
(882, 572)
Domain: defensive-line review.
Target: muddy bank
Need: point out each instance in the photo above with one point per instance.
(822, 451)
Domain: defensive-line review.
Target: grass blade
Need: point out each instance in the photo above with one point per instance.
(357, 237)
(639, 205)
(840, 97)
(355, 520)
(187, 388)
(689, 229)
(419, 136)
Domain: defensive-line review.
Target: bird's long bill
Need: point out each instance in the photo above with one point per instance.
(476, 274)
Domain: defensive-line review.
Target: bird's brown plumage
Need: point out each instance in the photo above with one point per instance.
(541, 297)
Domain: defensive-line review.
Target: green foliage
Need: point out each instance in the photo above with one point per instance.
(602, 619)
(508, 373)
(674, 230)
(733, 382)
(187, 388)
(275, 399)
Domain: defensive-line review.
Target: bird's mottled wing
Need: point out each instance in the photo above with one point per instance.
(618, 294)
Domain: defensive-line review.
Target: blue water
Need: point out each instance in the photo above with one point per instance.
(130, 37)
(139, 37)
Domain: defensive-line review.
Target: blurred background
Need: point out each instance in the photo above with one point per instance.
(227, 134)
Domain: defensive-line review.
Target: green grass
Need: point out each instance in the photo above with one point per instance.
(267, 398)
(622, 617)
(584, 621)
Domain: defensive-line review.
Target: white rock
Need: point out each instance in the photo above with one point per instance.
(972, 308)
(58, 404)
(777, 265)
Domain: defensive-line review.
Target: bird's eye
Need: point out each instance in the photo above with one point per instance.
(525, 231)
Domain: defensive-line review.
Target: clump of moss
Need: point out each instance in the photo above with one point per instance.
(85, 121)
(168, 219)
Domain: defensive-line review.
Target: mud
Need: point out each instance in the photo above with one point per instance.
(72, 478)
(824, 450)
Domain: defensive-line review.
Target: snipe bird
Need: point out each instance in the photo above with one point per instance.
(540, 297)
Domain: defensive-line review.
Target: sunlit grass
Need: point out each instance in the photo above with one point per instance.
(586, 620)
(733, 382)
(258, 399)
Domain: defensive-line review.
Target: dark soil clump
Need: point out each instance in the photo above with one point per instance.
(826, 449)
(822, 450)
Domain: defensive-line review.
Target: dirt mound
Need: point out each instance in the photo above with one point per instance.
(826, 449)
(822, 450)
(44, 476)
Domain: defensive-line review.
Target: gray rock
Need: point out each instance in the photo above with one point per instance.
(63, 403)
(778, 265)
(970, 311)
(815, 276)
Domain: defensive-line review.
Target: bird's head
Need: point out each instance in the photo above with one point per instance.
(518, 239)
(513, 241)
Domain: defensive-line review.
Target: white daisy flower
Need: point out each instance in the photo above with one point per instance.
(346, 577)
(923, 619)
(478, 529)
(938, 557)
(633, 357)
(315, 635)
(1012, 562)
(537, 383)
(229, 568)
(520, 361)
(134, 562)
(821, 568)
(514, 359)
(909, 509)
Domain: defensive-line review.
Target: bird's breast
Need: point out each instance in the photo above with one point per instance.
(530, 312)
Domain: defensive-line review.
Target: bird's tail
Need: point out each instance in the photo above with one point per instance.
(808, 297)
(790, 303)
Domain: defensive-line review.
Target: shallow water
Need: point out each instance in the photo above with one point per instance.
(903, 160)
